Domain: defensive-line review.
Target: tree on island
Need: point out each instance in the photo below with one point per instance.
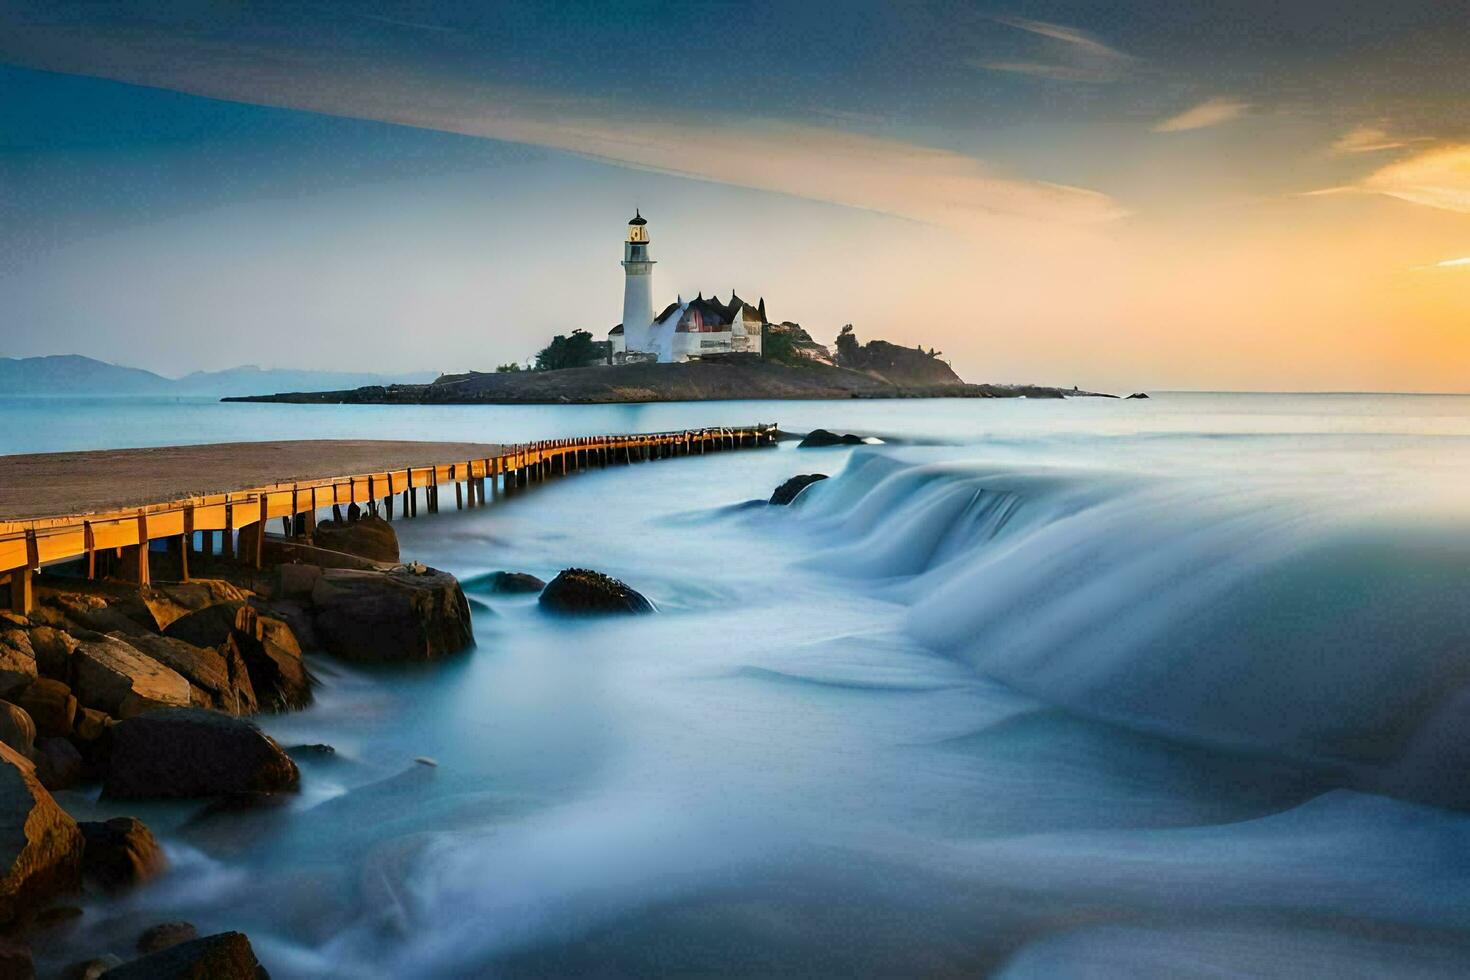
(510, 368)
(565, 351)
(849, 351)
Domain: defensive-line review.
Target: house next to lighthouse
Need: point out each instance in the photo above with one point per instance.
(686, 329)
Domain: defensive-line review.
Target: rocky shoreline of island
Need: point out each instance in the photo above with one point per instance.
(726, 379)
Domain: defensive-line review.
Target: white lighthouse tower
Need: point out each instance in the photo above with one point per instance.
(637, 286)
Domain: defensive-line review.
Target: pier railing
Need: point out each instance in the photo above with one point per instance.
(26, 545)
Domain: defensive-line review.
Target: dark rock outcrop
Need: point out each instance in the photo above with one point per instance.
(191, 752)
(818, 438)
(410, 613)
(120, 853)
(370, 537)
(579, 591)
(505, 583)
(788, 491)
(40, 846)
(1137, 394)
(225, 956)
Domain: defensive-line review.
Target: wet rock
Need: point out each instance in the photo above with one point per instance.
(225, 956)
(171, 601)
(397, 616)
(17, 661)
(58, 763)
(53, 649)
(788, 491)
(120, 853)
(17, 729)
(166, 935)
(506, 583)
(50, 704)
(219, 677)
(371, 537)
(818, 438)
(116, 677)
(579, 591)
(40, 846)
(191, 752)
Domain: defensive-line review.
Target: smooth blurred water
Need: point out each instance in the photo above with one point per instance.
(1168, 688)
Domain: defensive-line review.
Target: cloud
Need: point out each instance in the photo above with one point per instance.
(1453, 263)
(1075, 55)
(1369, 139)
(1209, 113)
(1438, 178)
(820, 163)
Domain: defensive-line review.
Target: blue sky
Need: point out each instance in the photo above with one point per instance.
(1059, 192)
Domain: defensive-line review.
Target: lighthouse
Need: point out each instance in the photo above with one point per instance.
(637, 285)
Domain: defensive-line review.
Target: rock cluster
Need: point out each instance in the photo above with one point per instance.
(818, 438)
(143, 690)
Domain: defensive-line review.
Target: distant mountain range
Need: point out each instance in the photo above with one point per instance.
(73, 374)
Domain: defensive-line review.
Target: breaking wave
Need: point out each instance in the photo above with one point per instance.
(1319, 623)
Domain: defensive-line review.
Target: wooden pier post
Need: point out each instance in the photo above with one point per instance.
(227, 537)
(255, 559)
(22, 595)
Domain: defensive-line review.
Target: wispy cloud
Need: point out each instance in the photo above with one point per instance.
(1371, 139)
(1073, 55)
(822, 163)
(1212, 112)
(1438, 178)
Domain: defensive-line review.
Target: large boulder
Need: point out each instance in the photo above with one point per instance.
(371, 537)
(822, 437)
(218, 678)
(225, 956)
(580, 591)
(120, 853)
(50, 704)
(17, 661)
(191, 752)
(17, 729)
(40, 846)
(410, 613)
(119, 679)
(266, 646)
(789, 490)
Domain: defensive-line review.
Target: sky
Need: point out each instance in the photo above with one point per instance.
(1155, 194)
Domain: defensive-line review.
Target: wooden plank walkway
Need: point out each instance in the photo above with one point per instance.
(63, 506)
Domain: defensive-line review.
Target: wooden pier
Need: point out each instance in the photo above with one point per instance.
(108, 506)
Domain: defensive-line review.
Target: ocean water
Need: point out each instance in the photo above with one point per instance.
(1164, 688)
